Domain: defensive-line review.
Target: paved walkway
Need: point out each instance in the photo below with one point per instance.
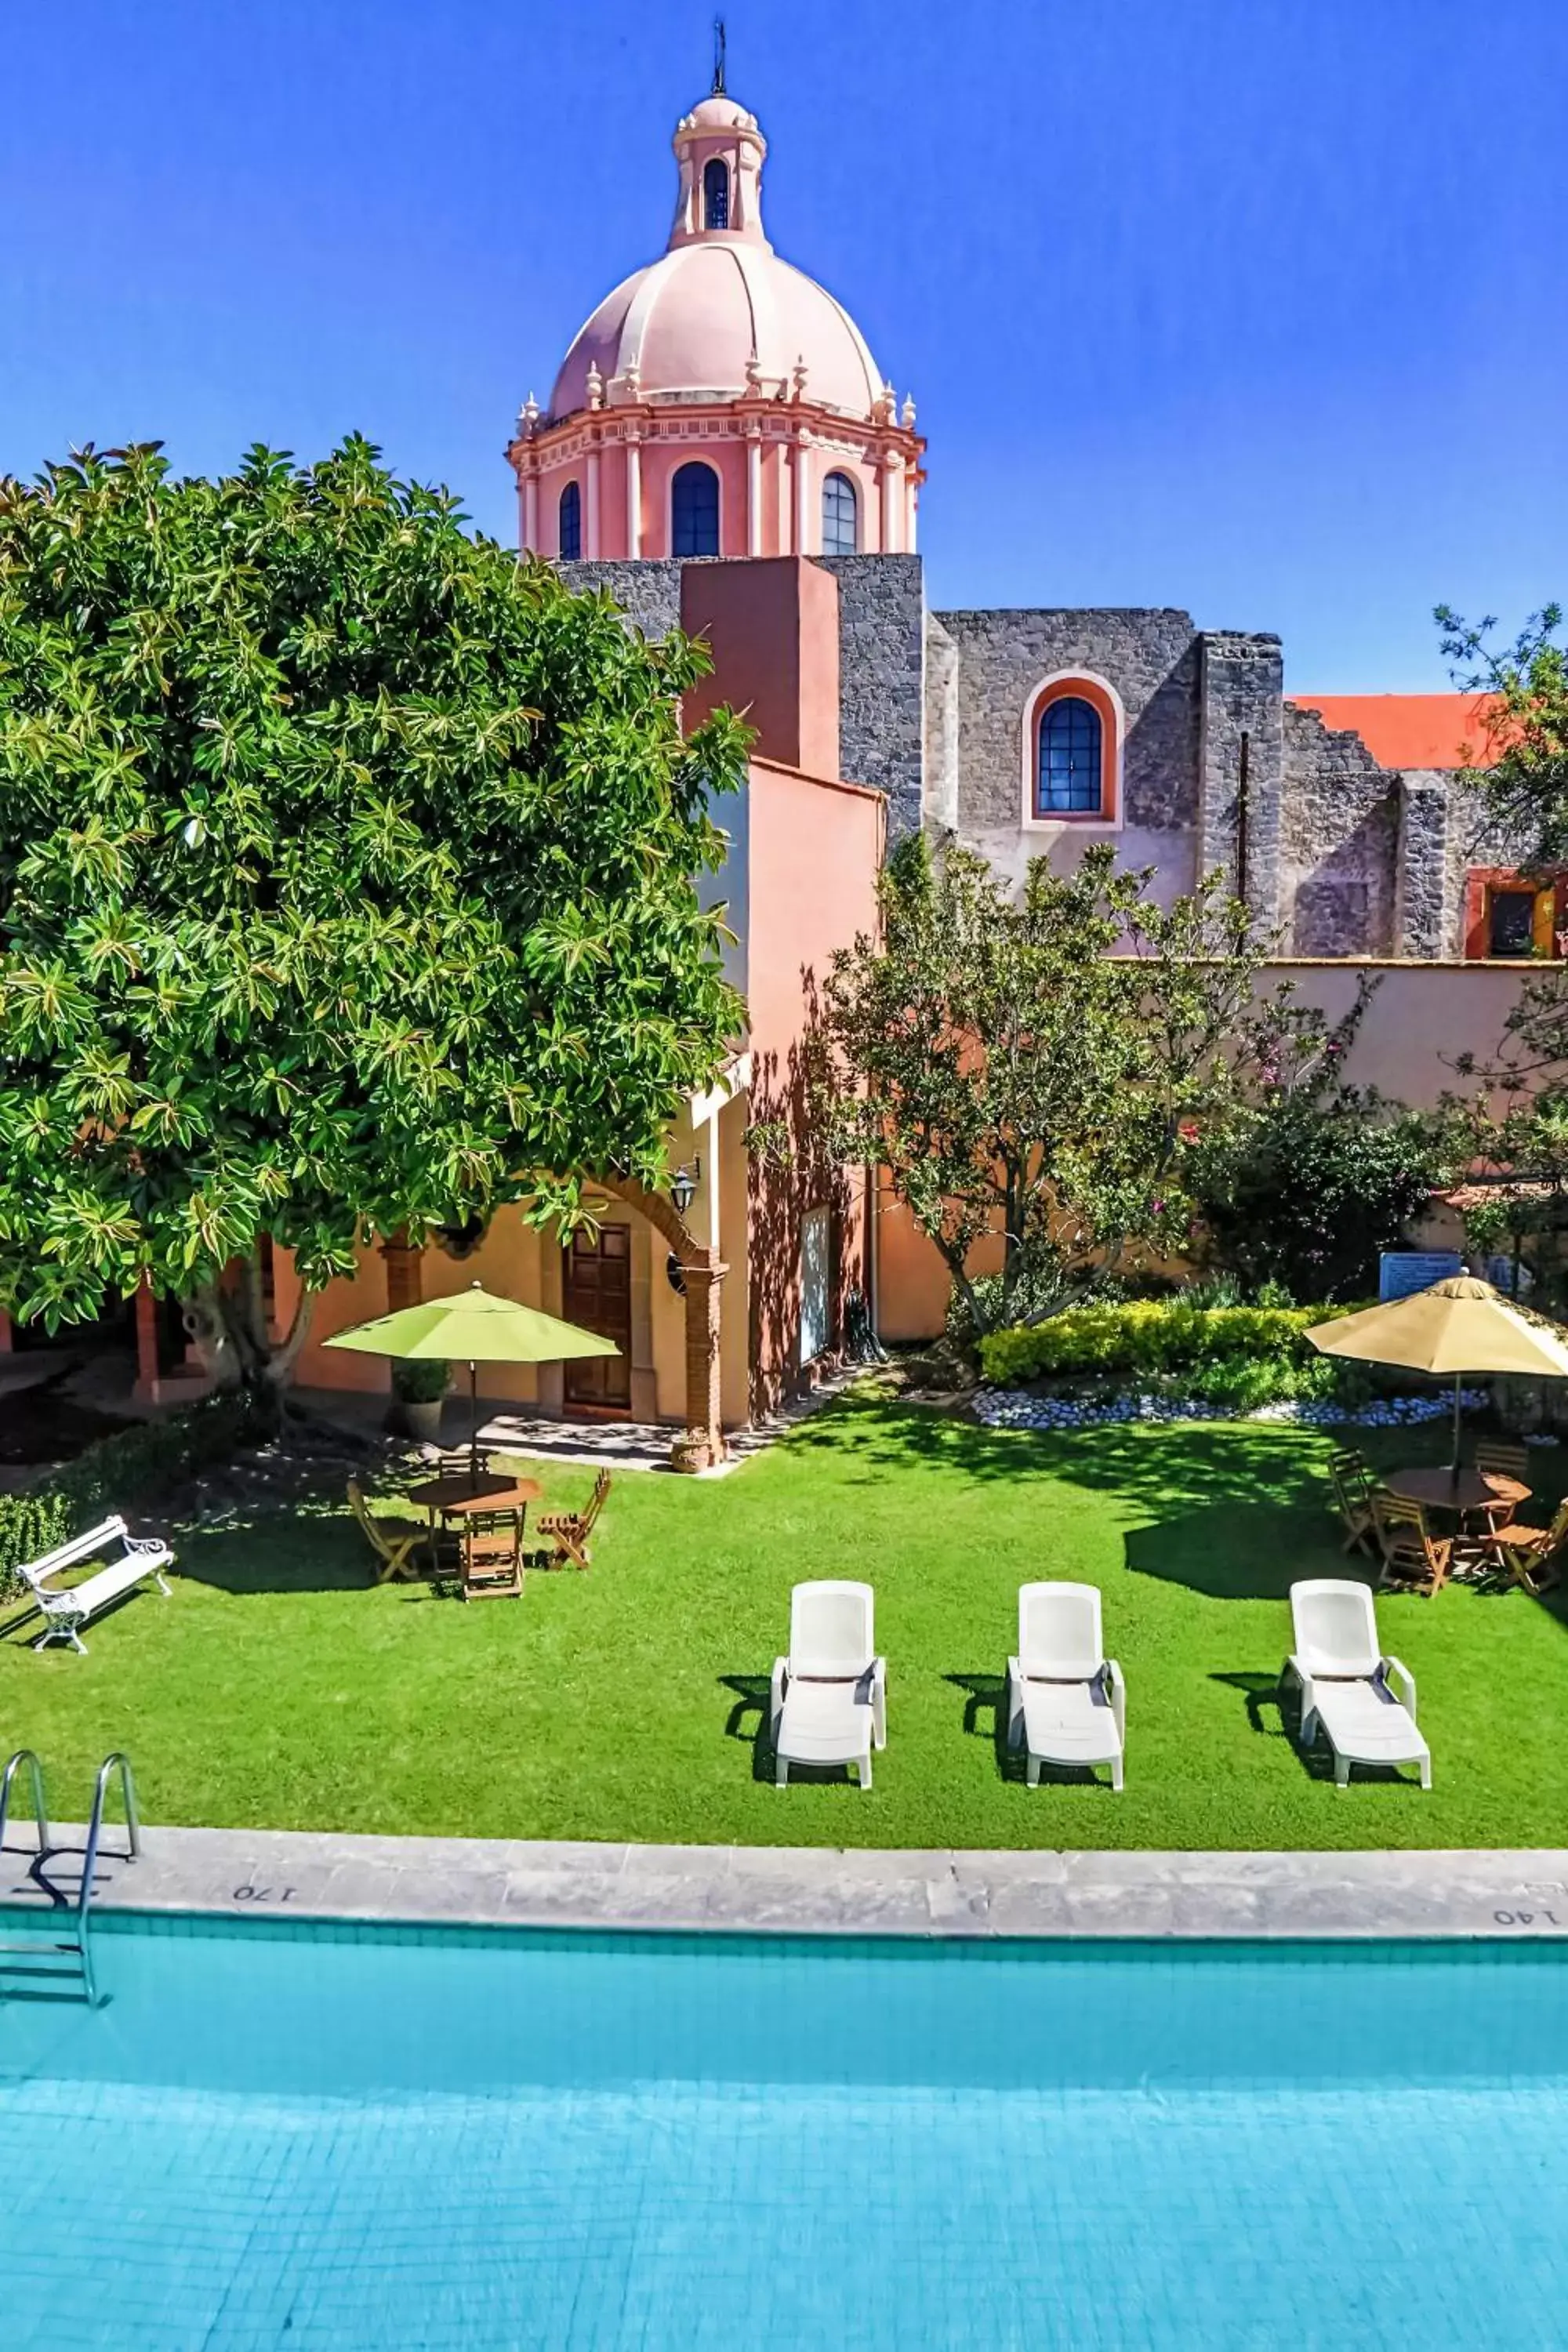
(645, 1444)
(277, 1874)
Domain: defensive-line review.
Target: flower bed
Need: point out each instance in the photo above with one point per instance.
(1019, 1409)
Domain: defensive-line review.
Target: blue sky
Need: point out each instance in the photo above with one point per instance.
(1255, 307)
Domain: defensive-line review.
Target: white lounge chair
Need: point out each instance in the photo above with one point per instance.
(67, 1609)
(1067, 1701)
(830, 1694)
(1347, 1683)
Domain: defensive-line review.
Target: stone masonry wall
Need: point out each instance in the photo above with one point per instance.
(881, 678)
(647, 593)
(1241, 679)
(1339, 842)
(1150, 659)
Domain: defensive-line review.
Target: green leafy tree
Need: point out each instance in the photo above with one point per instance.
(1039, 1065)
(1312, 1177)
(346, 883)
(1504, 1133)
(1522, 788)
(1507, 1130)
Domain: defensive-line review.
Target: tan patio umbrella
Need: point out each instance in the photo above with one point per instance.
(473, 1327)
(1459, 1326)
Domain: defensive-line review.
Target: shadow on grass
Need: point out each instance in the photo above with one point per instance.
(752, 1694)
(1175, 1465)
(308, 1548)
(985, 1717)
(1266, 1697)
(1235, 1554)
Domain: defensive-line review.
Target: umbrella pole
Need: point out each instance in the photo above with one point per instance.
(474, 1420)
(1458, 1378)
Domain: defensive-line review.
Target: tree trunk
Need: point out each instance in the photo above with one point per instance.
(228, 1322)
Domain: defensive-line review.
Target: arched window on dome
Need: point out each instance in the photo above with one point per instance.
(840, 517)
(1069, 774)
(716, 194)
(694, 511)
(571, 524)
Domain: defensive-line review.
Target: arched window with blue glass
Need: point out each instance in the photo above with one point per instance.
(715, 194)
(1069, 772)
(840, 522)
(694, 511)
(570, 523)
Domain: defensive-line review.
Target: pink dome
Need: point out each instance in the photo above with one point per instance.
(710, 317)
(719, 315)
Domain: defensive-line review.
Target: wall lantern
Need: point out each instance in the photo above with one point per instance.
(683, 1186)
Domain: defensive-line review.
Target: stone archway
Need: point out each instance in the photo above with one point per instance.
(701, 1442)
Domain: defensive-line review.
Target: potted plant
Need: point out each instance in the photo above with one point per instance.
(418, 1385)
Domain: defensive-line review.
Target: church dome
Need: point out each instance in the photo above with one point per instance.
(719, 316)
(712, 319)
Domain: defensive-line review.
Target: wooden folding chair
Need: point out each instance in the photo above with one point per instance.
(1412, 1554)
(396, 1543)
(1353, 1485)
(492, 1554)
(1532, 1555)
(1496, 1459)
(568, 1530)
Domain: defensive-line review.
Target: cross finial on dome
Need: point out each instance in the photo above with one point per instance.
(718, 89)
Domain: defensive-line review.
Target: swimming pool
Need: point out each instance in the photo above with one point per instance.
(355, 2137)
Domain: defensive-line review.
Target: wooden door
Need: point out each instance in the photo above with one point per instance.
(596, 1291)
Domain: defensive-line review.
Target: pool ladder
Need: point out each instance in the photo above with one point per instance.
(77, 1945)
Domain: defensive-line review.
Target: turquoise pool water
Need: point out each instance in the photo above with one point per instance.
(353, 2138)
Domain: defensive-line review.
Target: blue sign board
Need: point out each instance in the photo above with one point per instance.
(1400, 1272)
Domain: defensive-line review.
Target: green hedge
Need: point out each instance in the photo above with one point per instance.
(120, 1472)
(30, 1525)
(1147, 1336)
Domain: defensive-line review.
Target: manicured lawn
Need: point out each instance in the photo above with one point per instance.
(278, 1688)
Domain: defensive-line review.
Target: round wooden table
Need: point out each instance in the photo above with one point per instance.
(1473, 1490)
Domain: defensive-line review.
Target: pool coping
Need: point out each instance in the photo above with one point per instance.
(805, 1890)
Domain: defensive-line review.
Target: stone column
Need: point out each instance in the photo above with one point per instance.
(701, 1443)
(892, 472)
(1423, 919)
(591, 520)
(1241, 760)
(531, 514)
(911, 508)
(754, 489)
(634, 497)
(803, 534)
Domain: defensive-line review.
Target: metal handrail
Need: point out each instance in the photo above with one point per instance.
(90, 1860)
(25, 1756)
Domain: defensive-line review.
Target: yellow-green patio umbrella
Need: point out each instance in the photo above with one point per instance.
(1459, 1326)
(473, 1327)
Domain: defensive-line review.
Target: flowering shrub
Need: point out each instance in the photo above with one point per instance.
(1156, 1336)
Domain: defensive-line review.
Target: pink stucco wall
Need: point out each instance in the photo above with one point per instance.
(816, 847)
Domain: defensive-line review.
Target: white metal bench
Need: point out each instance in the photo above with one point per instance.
(68, 1608)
